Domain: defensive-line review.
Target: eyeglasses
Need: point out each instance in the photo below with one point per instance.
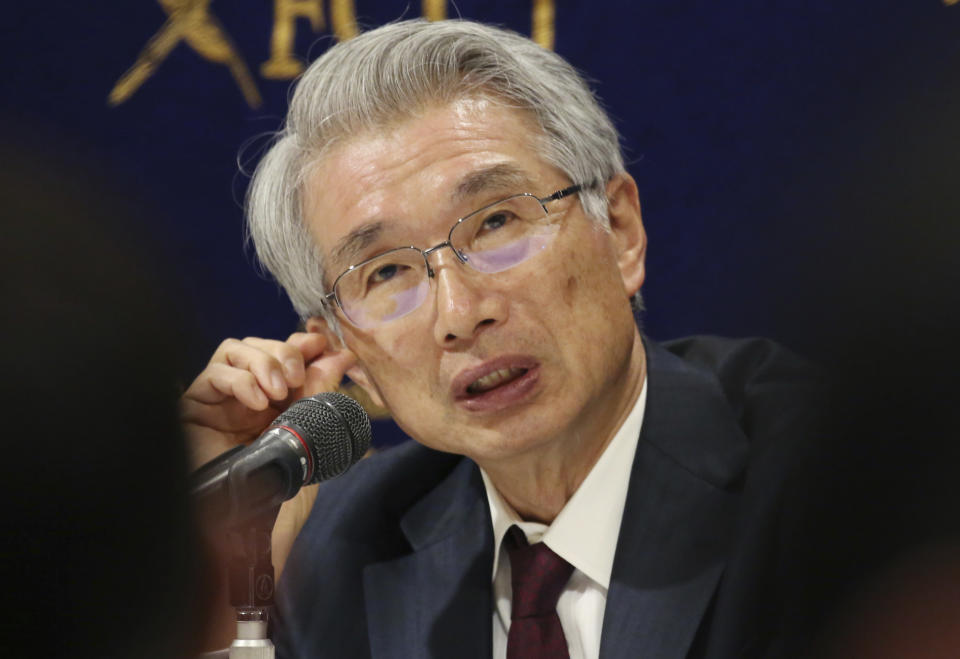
(493, 239)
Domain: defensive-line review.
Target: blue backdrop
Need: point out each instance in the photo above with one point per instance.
(788, 154)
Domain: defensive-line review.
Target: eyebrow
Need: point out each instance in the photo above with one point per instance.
(348, 247)
(502, 177)
(505, 177)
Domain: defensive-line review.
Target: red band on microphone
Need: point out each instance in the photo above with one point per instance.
(305, 448)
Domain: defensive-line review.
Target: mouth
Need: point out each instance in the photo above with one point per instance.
(496, 379)
(496, 384)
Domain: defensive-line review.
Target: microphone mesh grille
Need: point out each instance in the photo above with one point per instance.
(336, 429)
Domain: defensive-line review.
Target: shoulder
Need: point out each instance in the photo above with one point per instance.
(766, 415)
(767, 386)
(741, 360)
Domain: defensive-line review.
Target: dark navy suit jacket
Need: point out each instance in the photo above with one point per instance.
(396, 557)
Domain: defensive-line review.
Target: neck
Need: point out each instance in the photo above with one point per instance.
(538, 484)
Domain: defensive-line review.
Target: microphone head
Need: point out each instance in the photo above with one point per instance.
(334, 427)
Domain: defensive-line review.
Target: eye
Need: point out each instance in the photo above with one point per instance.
(385, 273)
(496, 220)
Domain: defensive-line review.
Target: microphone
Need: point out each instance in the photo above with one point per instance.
(315, 439)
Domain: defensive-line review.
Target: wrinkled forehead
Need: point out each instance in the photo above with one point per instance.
(394, 181)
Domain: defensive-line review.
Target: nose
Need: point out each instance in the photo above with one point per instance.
(465, 305)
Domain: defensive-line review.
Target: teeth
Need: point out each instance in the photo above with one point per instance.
(495, 379)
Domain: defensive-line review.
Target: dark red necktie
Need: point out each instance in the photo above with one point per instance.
(538, 576)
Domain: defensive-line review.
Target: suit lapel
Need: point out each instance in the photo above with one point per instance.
(679, 514)
(437, 601)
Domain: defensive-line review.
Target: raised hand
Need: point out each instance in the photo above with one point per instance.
(248, 383)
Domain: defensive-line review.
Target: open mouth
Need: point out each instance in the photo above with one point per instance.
(495, 379)
(497, 384)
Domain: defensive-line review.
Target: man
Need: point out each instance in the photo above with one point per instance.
(448, 209)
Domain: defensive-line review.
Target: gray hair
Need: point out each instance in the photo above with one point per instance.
(389, 74)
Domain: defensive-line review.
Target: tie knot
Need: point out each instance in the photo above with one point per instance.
(538, 576)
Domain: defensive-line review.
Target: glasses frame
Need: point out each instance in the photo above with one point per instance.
(330, 298)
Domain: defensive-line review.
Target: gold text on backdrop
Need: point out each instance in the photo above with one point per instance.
(192, 22)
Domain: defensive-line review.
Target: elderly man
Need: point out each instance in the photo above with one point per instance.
(448, 209)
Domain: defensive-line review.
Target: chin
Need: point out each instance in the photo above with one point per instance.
(507, 446)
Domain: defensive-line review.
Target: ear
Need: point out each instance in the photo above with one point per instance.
(357, 372)
(626, 227)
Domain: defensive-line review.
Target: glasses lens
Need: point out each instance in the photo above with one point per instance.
(504, 234)
(383, 288)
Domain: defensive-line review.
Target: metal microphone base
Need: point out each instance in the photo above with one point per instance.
(252, 641)
(251, 579)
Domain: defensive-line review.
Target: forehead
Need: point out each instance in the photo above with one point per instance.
(415, 176)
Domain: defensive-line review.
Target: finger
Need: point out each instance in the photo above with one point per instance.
(288, 358)
(306, 346)
(310, 344)
(289, 355)
(325, 373)
(221, 381)
(258, 357)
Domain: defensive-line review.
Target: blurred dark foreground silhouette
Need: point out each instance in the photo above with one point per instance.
(100, 552)
(875, 507)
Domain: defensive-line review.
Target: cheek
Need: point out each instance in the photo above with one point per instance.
(592, 294)
(591, 273)
(395, 364)
(570, 290)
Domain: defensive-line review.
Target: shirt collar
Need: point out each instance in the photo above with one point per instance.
(586, 530)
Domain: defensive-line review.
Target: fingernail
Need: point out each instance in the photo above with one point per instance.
(261, 398)
(279, 384)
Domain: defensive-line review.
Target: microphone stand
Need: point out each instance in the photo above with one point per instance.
(251, 582)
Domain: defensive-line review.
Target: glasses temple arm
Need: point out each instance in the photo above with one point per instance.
(566, 192)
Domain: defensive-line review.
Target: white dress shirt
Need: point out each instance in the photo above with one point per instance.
(584, 534)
